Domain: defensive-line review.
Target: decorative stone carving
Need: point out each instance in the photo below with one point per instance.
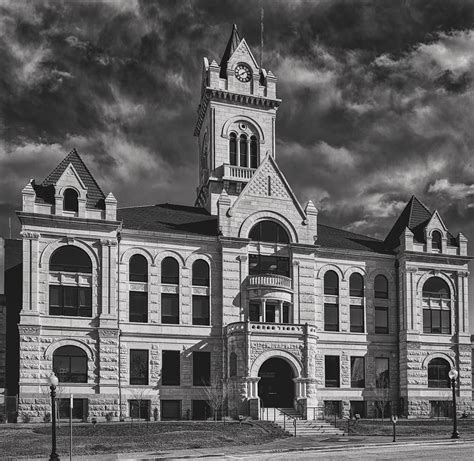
(30, 235)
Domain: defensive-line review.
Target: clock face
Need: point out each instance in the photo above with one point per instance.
(243, 73)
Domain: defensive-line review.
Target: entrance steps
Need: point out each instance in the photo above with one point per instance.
(303, 427)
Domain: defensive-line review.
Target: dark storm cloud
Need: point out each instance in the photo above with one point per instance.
(377, 98)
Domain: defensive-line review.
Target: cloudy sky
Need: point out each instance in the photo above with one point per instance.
(377, 99)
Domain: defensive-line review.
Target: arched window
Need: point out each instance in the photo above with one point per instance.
(233, 364)
(70, 259)
(436, 240)
(201, 306)
(436, 306)
(233, 149)
(356, 285)
(436, 287)
(331, 283)
(269, 231)
(438, 370)
(138, 269)
(381, 287)
(253, 152)
(201, 273)
(170, 271)
(70, 202)
(70, 296)
(243, 150)
(70, 364)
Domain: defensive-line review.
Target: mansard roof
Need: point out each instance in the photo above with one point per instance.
(415, 216)
(232, 44)
(46, 190)
(182, 219)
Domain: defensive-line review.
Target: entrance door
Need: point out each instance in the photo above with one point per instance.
(276, 387)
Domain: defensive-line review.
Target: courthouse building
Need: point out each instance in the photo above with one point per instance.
(143, 308)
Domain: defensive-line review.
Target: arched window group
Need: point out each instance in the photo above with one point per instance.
(243, 150)
(70, 364)
(357, 312)
(70, 295)
(436, 306)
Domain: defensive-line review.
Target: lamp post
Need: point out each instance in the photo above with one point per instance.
(54, 381)
(453, 374)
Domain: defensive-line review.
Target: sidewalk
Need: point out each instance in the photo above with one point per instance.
(277, 446)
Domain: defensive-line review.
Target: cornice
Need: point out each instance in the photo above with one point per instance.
(224, 95)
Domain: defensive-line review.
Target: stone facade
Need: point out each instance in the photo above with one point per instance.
(291, 326)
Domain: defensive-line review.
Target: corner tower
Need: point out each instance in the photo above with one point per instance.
(236, 122)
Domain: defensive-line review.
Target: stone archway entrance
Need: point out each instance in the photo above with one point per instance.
(276, 386)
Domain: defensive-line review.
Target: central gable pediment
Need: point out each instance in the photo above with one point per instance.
(269, 184)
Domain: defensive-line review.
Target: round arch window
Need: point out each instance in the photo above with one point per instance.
(438, 370)
(70, 364)
(71, 200)
(269, 231)
(436, 287)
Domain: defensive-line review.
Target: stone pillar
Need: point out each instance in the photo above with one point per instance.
(252, 397)
(108, 366)
(186, 297)
(263, 315)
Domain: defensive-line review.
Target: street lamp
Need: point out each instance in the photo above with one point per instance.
(453, 374)
(54, 381)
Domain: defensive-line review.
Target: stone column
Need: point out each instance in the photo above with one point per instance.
(263, 316)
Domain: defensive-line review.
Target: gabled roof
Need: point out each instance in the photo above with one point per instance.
(415, 216)
(330, 237)
(182, 219)
(166, 217)
(232, 44)
(95, 197)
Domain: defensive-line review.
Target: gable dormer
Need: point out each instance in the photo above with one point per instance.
(69, 190)
(436, 235)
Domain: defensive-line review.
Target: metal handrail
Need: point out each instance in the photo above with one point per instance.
(285, 415)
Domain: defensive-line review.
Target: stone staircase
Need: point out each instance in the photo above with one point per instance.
(303, 427)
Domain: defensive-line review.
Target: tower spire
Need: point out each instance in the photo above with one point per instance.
(261, 38)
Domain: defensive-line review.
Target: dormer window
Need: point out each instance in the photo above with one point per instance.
(436, 241)
(71, 200)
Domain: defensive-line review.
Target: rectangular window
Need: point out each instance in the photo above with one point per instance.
(437, 321)
(270, 312)
(357, 408)
(201, 310)
(381, 319)
(331, 371)
(357, 372)
(138, 306)
(382, 373)
(139, 366)
(170, 308)
(70, 300)
(79, 408)
(441, 408)
(261, 264)
(331, 317)
(170, 410)
(201, 409)
(139, 409)
(286, 313)
(357, 319)
(201, 368)
(170, 371)
(254, 312)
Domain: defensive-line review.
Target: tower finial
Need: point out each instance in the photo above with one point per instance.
(261, 38)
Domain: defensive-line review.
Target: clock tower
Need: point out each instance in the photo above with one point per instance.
(236, 122)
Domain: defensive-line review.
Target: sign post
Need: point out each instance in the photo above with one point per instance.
(70, 426)
(394, 423)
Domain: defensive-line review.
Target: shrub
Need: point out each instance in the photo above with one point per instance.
(47, 418)
(26, 418)
(3, 419)
(109, 416)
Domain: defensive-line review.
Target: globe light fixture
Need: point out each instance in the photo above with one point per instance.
(53, 381)
(453, 376)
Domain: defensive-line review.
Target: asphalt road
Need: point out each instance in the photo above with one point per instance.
(446, 450)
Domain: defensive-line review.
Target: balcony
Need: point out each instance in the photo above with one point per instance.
(270, 281)
(238, 173)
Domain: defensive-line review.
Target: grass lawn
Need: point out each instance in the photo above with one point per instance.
(408, 427)
(35, 440)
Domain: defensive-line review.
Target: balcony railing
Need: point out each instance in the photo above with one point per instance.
(270, 280)
(238, 173)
